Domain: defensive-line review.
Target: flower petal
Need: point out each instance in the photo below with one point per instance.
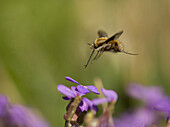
(110, 94)
(90, 105)
(151, 95)
(73, 88)
(67, 98)
(163, 106)
(89, 102)
(93, 89)
(3, 105)
(71, 80)
(94, 108)
(84, 106)
(66, 91)
(142, 117)
(76, 92)
(21, 116)
(82, 89)
(136, 91)
(98, 101)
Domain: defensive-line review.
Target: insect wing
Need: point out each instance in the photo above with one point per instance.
(102, 33)
(114, 37)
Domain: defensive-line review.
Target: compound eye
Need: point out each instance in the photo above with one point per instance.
(116, 44)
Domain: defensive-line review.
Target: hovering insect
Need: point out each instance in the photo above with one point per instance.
(106, 44)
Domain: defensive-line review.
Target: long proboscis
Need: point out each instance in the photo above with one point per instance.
(89, 58)
(129, 53)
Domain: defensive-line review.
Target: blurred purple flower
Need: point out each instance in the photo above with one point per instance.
(150, 95)
(21, 116)
(109, 94)
(143, 117)
(3, 105)
(72, 93)
(83, 89)
(18, 116)
(163, 106)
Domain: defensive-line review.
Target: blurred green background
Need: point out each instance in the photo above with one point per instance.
(41, 42)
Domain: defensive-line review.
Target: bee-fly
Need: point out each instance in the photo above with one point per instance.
(106, 44)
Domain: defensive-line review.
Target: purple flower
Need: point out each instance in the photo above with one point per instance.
(3, 105)
(109, 94)
(73, 93)
(21, 116)
(18, 116)
(69, 93)
(83, 89)
(163, 106)
(150, 95)
(142, 117)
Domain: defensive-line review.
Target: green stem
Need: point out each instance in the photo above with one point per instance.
(72, 109)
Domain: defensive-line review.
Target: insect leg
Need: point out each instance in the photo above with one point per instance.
(95, 56)
(129, 53)
(101, 52)
(89, 58)
(89, 44)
